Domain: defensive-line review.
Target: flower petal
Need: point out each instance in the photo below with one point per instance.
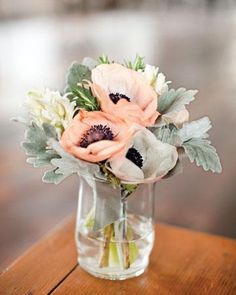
(158, 159)
(177, 118)
(115, 78)
(126, 170)
(96, 151)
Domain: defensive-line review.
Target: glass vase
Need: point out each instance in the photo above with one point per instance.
(121, 249)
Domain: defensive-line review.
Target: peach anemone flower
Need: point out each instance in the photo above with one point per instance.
(96, 136)
(125, 93)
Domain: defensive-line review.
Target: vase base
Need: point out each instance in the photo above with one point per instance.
(105, 273)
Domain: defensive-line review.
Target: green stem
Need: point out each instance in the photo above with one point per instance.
(117, 245)
(108, 233)
(125, 242)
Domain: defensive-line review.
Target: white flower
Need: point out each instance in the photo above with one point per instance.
(157, 81)
(150, 74)
(148, 159)
(50, 107)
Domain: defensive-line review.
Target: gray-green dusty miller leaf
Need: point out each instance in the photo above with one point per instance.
(35, 140)
(195, 129)
(42, 148)
(49, 131)
(192, 138)
(203, 153)
(166, 99)
(42, 159)
(167, 135)
(175, 100)
(76, 74)
(89, 62)
(53, 177)
(36, 147)
(68, 164)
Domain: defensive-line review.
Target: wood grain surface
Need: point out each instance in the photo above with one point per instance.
(42, 267)
(182, 262)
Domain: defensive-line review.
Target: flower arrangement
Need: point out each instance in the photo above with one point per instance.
(119, 124)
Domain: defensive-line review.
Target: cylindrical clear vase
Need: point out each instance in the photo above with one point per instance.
(121, 249)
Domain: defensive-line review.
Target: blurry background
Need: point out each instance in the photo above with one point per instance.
(193, 42)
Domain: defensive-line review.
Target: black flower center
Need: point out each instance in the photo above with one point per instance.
(96, 133)
(134, 156)
(115, 97)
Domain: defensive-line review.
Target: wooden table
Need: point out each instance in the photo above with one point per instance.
(182, 262)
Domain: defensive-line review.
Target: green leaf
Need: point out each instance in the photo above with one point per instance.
(137, 64)
(192, 138)
(67, 164)
(43, 148)
(127, 189)
(167, 134)
(53, 177)
(89, 62)
(35, 140)
(109, 176)
(203, 153)
(103, 59)
(76, 74)
(42, 159)
(166, 99)
(195, 129)
(175, 100)
(49, 131)
(36, 144)
(83, 98)
(170, 134)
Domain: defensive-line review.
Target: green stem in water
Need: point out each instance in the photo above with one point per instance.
(108, 233)
(125, 242)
